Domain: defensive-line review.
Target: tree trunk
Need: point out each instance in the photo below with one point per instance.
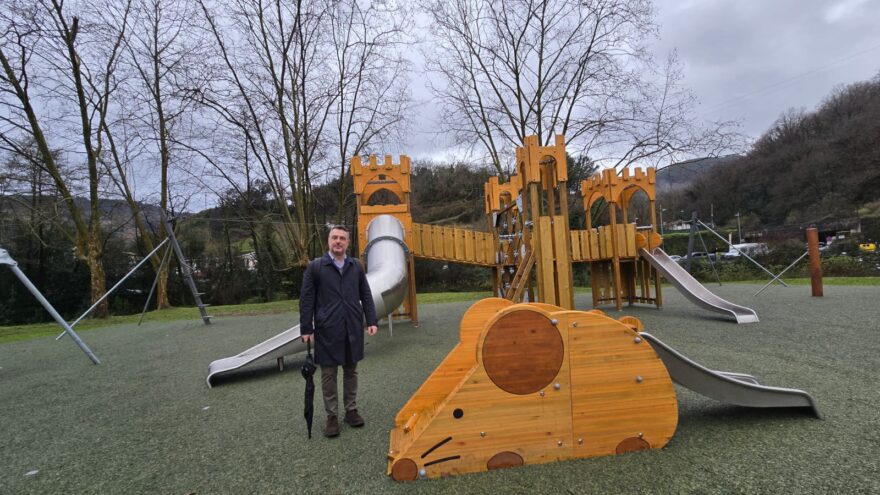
(162, 289)
(97, 277)
(162, 301)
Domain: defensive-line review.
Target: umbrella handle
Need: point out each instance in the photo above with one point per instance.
(309, 347)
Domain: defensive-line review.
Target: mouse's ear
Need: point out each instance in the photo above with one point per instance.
(476, 317)
(632, 322)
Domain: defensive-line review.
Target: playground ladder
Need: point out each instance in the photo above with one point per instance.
(520, 278)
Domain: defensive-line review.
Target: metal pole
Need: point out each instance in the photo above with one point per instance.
(739, 228)
(123, 279)
(186, 270)
(780, 273)
(7, 260)
(391, 325)
(711, 263)
(768, 272)
(691, 242)
(155, 282)
(661, 220)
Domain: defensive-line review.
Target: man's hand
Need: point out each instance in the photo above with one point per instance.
(308, 338)
(372, 329)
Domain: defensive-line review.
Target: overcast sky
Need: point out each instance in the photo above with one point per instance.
(748, 60)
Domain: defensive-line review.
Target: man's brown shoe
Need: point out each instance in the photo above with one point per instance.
(331, 429)
(352, 418)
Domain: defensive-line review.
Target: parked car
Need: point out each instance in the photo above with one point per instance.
(750, 249)
(700, 255)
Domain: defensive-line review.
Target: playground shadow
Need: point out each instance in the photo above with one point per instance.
(257, 372)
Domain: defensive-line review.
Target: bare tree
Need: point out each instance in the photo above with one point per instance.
(286, 74)
(264, 85)
(161, 51)
(27, 188)
(371, 98)
(576, 67)
(75, 58)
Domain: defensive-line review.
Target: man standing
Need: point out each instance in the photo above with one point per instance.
(334, 301)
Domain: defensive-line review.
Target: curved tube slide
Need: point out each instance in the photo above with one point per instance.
(387, 276)
(694, 290)
(730, 388)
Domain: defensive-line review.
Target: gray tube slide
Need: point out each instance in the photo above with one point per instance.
(694, 290)
(386, 274)
(730, 388)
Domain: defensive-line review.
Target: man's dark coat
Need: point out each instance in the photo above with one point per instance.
(332, 306)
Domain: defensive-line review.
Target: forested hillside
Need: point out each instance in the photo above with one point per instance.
(808, 167)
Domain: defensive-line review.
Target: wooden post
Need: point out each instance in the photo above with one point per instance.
(563, 251)
(658, 300)
(815, 261)
(497, 288)
(615, 256)
(534, 207)
(412, 300)
(594, 281)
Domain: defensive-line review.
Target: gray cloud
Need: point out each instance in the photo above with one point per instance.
(748, 60)
(752, 60)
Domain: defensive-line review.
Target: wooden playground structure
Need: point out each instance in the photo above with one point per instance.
(533, 380)
(529, 245)
(525, 359)
(545, 380)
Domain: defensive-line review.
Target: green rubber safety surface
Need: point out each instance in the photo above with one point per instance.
(145, 422)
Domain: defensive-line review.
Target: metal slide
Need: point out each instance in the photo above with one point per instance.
(731, 388)
(694, 290)
(387, 276)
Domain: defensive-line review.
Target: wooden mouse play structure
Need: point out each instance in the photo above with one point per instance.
(530, 384)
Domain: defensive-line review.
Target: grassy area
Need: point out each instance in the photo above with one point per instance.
(445, 297)
(15, 333)
(24, 332)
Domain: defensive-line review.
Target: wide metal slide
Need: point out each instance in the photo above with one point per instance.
(696, 292)
(731, 388)
(387, 276)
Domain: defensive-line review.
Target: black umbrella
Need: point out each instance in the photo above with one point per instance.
(308, 372)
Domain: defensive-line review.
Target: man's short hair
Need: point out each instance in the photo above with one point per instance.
(340, 227)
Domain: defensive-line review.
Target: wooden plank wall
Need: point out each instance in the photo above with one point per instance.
(595, 244)
(452, 244)
(478, 248)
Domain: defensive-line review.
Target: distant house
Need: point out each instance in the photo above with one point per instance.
(677, 225)
(250, 261)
